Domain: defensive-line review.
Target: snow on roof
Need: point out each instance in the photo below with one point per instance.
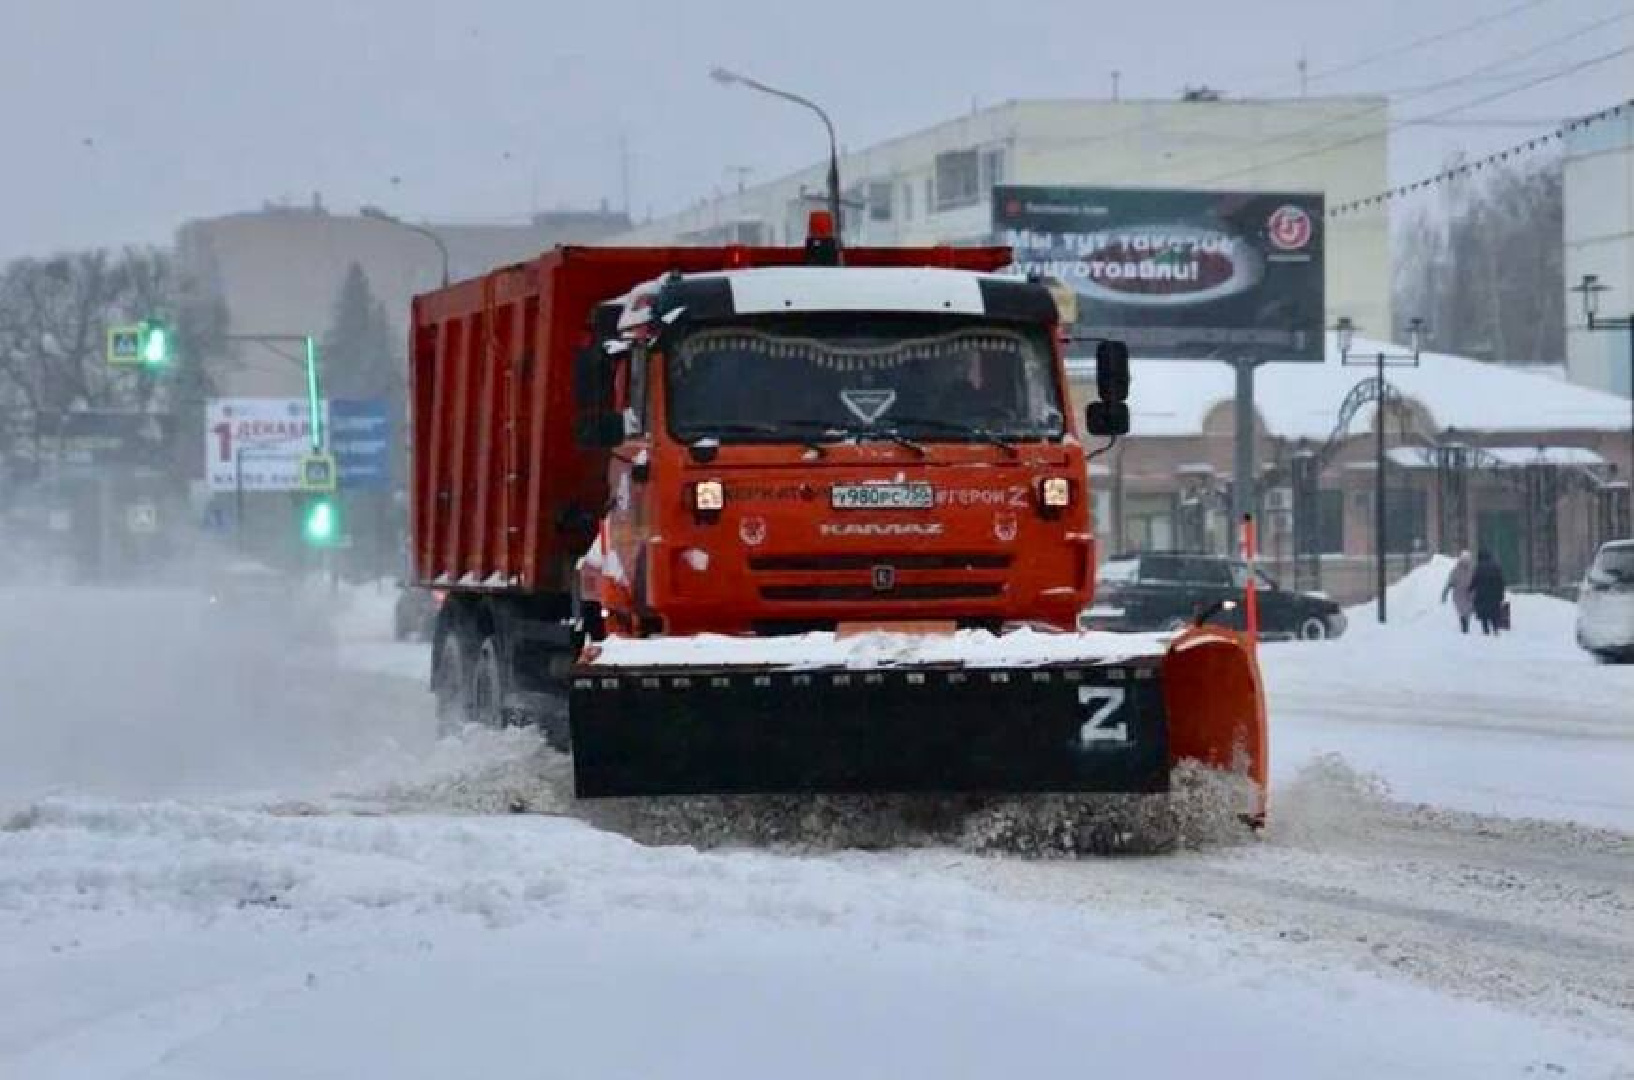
(1422, 457)
(1172, 397)
(871, 288)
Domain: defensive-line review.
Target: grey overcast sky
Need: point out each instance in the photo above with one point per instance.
(123, 119)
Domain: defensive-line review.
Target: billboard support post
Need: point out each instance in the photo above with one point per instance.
(1244, 468)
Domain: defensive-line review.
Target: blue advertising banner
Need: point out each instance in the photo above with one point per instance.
(360, 437)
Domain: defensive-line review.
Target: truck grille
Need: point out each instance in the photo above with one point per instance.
(903, 560)
(960, 590)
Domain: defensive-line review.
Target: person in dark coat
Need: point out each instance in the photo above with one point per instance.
(1486, 588)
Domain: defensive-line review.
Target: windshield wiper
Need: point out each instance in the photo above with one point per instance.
(704, 431)
(831, 428)
(987, 435)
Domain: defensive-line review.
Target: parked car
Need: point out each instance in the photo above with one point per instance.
(1167, 590)
(415, 612)
(1605, 604)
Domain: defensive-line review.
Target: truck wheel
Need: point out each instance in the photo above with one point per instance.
(487, 703)
(1313, 628)
(453, 684)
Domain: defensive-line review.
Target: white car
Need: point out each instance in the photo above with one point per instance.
(1605, 604)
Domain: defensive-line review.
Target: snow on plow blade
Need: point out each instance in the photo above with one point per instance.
(727, 731)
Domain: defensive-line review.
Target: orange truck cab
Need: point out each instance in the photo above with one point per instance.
(806, 448)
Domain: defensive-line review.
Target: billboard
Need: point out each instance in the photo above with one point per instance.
(1177, 273)
(258, 444)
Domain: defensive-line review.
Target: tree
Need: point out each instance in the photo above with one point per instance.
(360, 351)
(1485, 273)
(361, 358)
(54, 319)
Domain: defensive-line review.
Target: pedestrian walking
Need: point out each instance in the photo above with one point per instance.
(1458, 587)
(1486, 588)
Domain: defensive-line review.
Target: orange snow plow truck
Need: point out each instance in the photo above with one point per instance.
(790, 520)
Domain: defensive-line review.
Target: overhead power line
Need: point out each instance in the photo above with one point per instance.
(1438, 36)
(1458, 172)
(1429, 39)
(1561, 73)
(1423, 90)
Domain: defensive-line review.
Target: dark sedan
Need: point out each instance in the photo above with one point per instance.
(1167, 590)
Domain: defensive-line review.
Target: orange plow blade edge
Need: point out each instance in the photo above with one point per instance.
(1215, 701)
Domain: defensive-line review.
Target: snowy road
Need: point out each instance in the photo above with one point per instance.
(221, 858)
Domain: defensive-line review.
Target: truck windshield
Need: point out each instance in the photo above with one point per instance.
(926, 380)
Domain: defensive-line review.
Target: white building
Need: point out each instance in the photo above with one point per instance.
(933, 186)
(1599, 236)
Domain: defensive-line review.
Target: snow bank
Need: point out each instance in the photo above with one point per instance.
(971, 648)
(1521, 724)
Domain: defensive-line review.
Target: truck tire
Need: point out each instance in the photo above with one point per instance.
(452, 684)
(487, 697)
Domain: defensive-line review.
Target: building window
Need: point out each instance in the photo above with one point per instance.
(1328, 538)
(907, 202)
(1405, 517)
(1148, 523)
(958, 179)
(879, 200)
(992, 168)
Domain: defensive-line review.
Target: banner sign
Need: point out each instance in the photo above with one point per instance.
(1177, 273)
(260, 444)
(360, 437)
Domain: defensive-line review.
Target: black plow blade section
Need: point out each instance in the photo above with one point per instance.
(1088, 728)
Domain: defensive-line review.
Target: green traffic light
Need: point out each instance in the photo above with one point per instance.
(322, 523)
(155, 344)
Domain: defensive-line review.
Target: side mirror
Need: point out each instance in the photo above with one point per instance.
(1112, 371)
(1105, 419)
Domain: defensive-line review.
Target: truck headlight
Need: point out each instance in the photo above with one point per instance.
(1055, 492)
(708, 496)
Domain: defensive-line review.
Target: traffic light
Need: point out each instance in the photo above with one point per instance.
(153, 343)
(320, 523)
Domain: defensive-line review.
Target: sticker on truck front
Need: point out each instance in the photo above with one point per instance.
(883, 497)
(1103, 723)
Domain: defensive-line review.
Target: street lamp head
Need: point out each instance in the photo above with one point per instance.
(724, 76)
(1345, 331)
(376, 213)
(1590, 290)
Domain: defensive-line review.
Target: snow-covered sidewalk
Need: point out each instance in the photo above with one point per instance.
(1524, 724)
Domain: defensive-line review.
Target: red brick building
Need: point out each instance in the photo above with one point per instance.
(1513, 459)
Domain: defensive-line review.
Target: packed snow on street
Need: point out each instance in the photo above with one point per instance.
(230, 851)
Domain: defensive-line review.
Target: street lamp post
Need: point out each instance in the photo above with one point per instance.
(1590, 289)
(1345, 331)
(729, 78)
(374, 213)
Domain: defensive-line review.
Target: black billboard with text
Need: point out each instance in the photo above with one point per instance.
(1177, 273)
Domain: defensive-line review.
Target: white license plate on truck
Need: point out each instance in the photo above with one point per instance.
(883, 497)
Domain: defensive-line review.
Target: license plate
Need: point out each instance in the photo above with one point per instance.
(883, 497)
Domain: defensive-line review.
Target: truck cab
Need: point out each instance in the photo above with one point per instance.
(816, 447)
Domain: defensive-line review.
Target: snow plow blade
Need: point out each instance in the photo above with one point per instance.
(724, 731)
(1077, 725)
